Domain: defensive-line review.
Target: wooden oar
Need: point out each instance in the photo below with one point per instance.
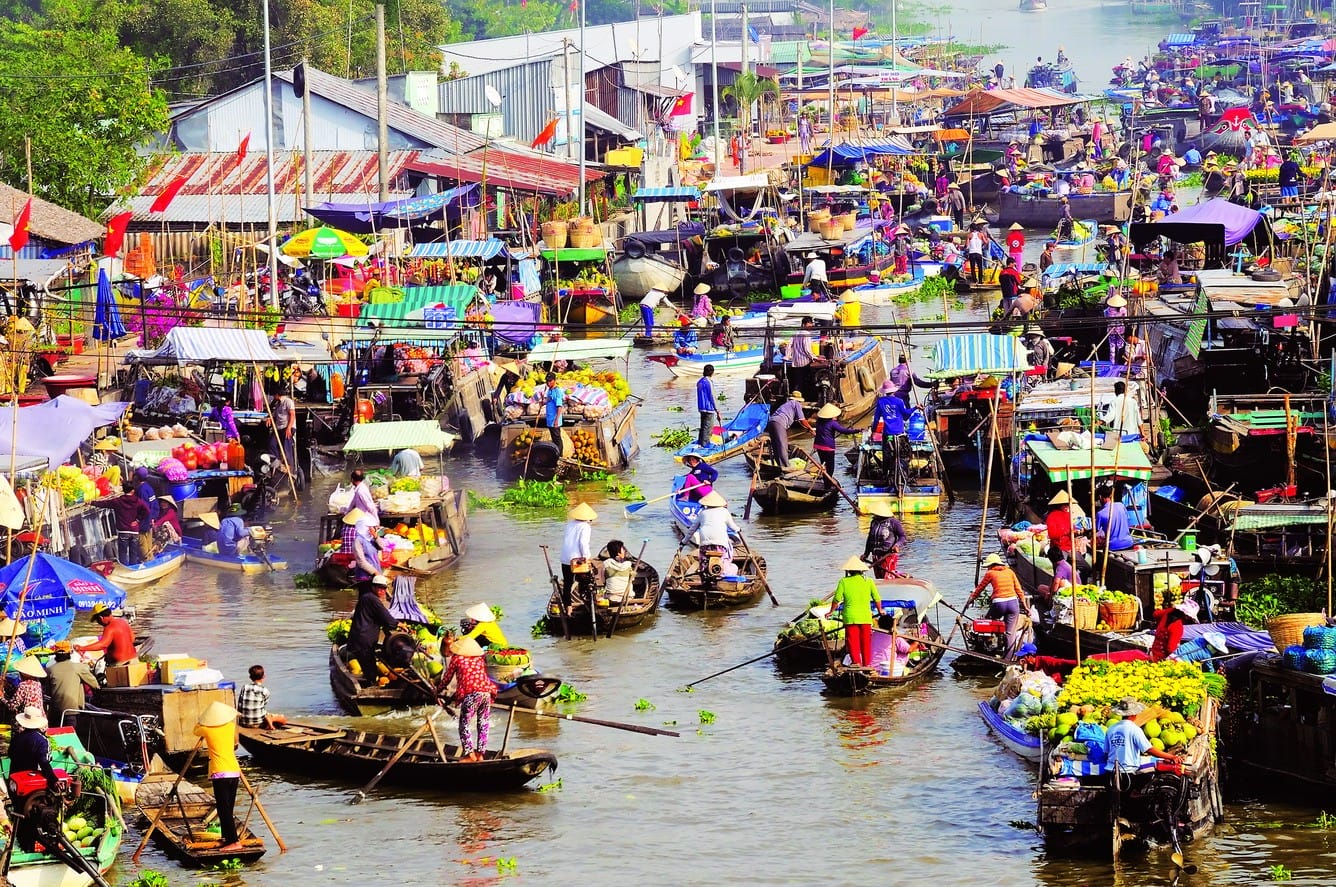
(827, 476)
(166, 801)
(778, 649)
(636, 506)
(255, 796)
(403, 750)
(764, 579)
(556, 589)
(756, 473)
(616, 725)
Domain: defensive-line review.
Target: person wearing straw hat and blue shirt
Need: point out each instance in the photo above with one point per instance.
(1008, 598)
(705, 403)
(217, 726)
(856, 597)
(781, 420)
(828, 427)
(575, 550)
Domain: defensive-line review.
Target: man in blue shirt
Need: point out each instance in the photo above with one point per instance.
(554, 408)
(1125, 742)
(1192, 157)
(1112, 527)
(233, 537)
(709, 410)
(892, 412)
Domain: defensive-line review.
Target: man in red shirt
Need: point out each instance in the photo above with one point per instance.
(118, 638)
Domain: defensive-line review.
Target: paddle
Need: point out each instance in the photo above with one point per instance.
(166, 802)
(403, 749)
(622, 603)
(756, 473)
(778, 649)
(764, 578)
(636, 506)
(616, 725)
(827, 476)
(255, 796)
(556, 590)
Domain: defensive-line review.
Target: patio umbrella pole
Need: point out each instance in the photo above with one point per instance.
(282, 452)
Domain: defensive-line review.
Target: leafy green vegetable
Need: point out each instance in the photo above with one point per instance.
(150, 878)
(551, 787)
(674, 438)
(539, 628)
(306, 580)
(645, 705)
(706, 717)
(525, 494)
(1272, 595)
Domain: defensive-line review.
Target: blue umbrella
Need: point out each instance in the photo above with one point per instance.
(56, 588)
(107, 324)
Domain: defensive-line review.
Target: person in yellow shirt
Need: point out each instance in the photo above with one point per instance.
(217, 726)
(479, 623)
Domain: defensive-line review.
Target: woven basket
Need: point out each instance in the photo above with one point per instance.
(849, 220)
(1288, 630)
(1085, 614)
(816, 219)
(554, 234)
(585, 239)
(1119, 616)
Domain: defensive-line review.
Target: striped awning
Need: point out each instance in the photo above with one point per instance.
(415, 298)
(459, 249)
(1129, 461)
(206, 344)
(666, 195)
(392, 436)
(973, 354)
(1179, 40)
(1273, 517)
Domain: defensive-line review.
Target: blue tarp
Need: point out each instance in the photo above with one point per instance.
(369, 218)
(970, 355)
(55, 589)
(460, 249)
(847, 155)
(1178, 40)
(679, 194)
(52, 431)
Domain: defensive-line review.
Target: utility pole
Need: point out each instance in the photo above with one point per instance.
(744, 119)
(382, 107)
(269, 161)
(583, 129)
(307, 178)
(566, 97)
(714, 80)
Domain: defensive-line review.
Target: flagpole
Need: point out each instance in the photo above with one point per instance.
(583, 151)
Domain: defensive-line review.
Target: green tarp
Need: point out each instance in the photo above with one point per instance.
(1059, 465)
(415, 298)
(394, 436)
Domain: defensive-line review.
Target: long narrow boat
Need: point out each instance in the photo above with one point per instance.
(726, 363)
(1024, 744)
(357, 755)
(740, 435)
(796, 492)
(643, 602)
(1079, 246)
(844, 680)
(151, 570)
(918, 492)
(243, 563)
(907, 602)
(187, 830)
(684, 510)
(691, 589)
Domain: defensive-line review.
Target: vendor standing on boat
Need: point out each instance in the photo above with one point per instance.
(699, 480)
(800, 356)
(479, 623)
(781, 420)
(892, 413)
(130, 513)
(474, 692)
(1008, 599)
(117, 638)
(218, 728)
(358, 547)
(68, 680)
(828, 426)
(575, 550)
(904, 379)
(370, 617)
(1123, 415)
(648, 305)
(815, 277)
(1112, 527)
(407, 463)
(554, 410)
(856, 596)
(884, 538)
(706, 405)
(362, 498)
(713, 525)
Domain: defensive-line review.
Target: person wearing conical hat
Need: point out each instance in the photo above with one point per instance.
(1008, 598)
(474, 692)
(1059, 526)
(576, 550)
(1115, 310)
(713, 524)
(11, 636)
(828, 426)
(217, 726)
(29, 749)
(28, 692)
(359, 543)
(815, 276)
(884, 537)
(371, 616)
(479, 623)
(781, 420)
(117, 638)
(890, 415)
(856, 597)
(69, 678)
(167, 527)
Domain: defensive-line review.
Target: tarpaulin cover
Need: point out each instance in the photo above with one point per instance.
(980, 353)
(461, 249)
(684, 231)
(847, 154)
(205, 344)
(1237, 221)
(581, 349)
(1128, 461)
(52, 431)
(370, 218)
(1238, 637)
(415, 298)
(679, 194)
(392, 436)
(55, 589)
(516, 321)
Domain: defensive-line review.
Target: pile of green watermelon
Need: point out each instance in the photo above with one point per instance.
(514, 657)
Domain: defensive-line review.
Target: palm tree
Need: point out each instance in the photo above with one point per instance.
(746, 91)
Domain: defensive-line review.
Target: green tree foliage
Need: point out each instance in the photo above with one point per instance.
(86, 104)
(479, 18)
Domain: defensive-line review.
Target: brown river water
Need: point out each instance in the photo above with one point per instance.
(784, 787)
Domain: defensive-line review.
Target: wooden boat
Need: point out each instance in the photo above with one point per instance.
(1083, 812)
(852, 380)
(684, 510)
(740, 435)
(244, 563)
(844, 680)
(796, 492)
(358, 755)
(1105, 207)
(918, 491)
(886, 292)
(1273, 738)
(586, 306)
(726, 363)
(690, 589)
(61, 863)
(188, 830)
(769, 469)
(636, 275)
(151, 570)
(442, 518)
(800, 645)
(1024, 744)
(1079, 246)
(643, 602)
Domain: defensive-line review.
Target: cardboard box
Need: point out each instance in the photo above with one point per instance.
(133, 675)
(169, 668)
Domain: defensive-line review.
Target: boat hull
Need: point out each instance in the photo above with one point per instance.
(841, 680)
(249, 563)
(640, 605)
(1109, 207)
(725, 363)
(1021, 743)
(636, 276)
(150, 571)
(795, 495)
(925, 499)
(689, 590)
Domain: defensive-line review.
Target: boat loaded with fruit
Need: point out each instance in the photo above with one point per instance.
(598, 421)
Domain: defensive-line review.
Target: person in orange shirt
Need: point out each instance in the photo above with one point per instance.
(1008, 598)
(117, 638)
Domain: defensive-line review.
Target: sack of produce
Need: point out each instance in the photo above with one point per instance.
(341, 499)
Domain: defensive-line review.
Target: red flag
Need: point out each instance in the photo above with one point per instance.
(575, 4)
(859, 32)
(241, 150)
(548, 133)
(681, 105)
(168, 194)
(19, 239)
(111, 246)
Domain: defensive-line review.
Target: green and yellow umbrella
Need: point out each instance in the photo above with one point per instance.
(323, 243)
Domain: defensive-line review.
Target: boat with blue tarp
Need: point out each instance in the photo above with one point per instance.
(196, 553)
(684, 510)
(739, 435)
(1025, 744)
(692, 365)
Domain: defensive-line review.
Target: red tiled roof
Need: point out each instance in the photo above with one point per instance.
(509, 169)
(333, 172)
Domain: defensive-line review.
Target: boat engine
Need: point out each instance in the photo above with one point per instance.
(712, 559)
(987, 636)
(1167, 795)
(39, 810)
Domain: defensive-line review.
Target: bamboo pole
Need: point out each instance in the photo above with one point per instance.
(987, 488)
(1326, 454)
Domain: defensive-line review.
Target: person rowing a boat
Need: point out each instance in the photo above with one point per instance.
(856, 596)
(479, 624)
(217, 727)
(575, 551)
(884, 538)
(713, 525)
(828, 426)
(370, 617)
(699, 480)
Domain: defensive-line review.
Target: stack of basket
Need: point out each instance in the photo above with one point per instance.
(584, 233)
(817, 219)
(849, 220)
(554, 234)
(1317, 653)
(1120, 615)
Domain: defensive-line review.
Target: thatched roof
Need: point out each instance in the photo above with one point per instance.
(49, 222)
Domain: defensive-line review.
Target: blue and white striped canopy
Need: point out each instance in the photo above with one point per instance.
(458, 249)
(970, 355)
(666, 195)
(1179, 40)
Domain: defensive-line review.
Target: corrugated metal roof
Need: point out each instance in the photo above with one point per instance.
(989, 101)
(391, 436)
(510, 169)
(597, 117)
(526, 88)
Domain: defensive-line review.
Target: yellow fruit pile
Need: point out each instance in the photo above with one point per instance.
(610, 381)
(519, 447)
(1174, 685)
(586, 447)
